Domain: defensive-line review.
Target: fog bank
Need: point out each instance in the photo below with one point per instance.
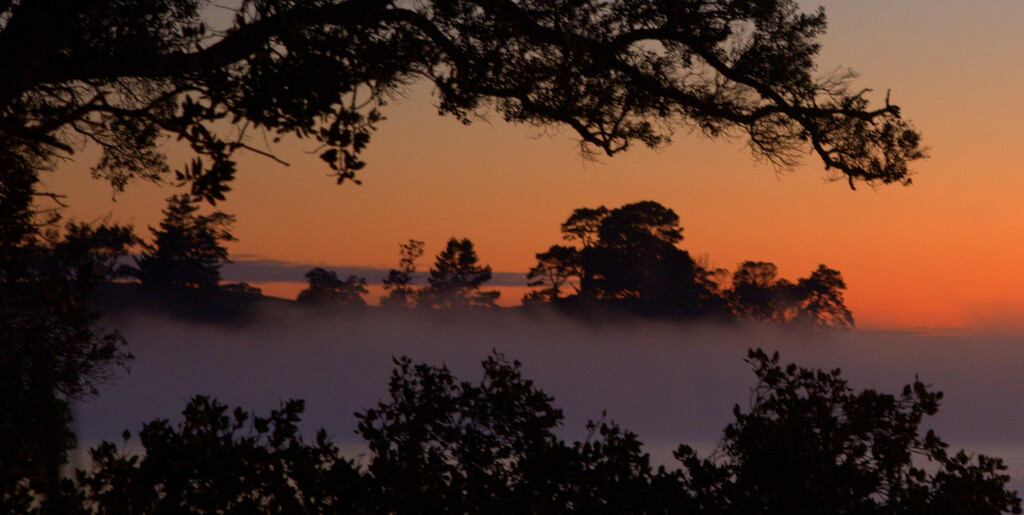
(669, 383)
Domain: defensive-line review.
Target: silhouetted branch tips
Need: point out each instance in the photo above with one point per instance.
(808, 443)
(617, 73)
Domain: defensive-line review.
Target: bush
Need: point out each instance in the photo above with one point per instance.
(807, 444)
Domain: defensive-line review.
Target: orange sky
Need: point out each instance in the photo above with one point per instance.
(945, 252)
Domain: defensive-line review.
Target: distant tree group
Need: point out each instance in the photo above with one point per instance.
(242, 288)
(757, 294)
(628, 258)
(807, 443)
(453, 282)
(326, 288)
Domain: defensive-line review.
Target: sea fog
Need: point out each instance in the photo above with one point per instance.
(669, 383)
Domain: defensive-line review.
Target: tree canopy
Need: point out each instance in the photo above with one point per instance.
(808, 443)
(628, 258)
(188, 248)
(125, 74)
(326, 288)
(456, 277)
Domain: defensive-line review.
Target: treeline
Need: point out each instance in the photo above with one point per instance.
(807, 443)
(453, 282)
(628, 258)
(625, 259)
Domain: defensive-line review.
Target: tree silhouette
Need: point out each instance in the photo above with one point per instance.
(456, 277)
(557, 268)
(817, 300)
(583, 224)
(218, 461)
(439, 444)
(123, 74)
(627, 255)
(187, 250)
(821, 298)
(757, 293)
(810, 444)
(52, 349)
(242, 288)
(636, 257)
(807, 444)
(582, 227)
(628, 258)
(88, 254)
(398, 283)
(326, 288)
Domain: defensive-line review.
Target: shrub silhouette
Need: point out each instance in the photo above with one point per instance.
(326, 288)
(808, 444)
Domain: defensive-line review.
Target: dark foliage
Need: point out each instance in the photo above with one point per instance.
(757, 294)
(218, 461)
(88, 254)
(636, 259)
(627, 259)
(326, 288)
(51, 349)
(456, 277)
(808, 444)
(820, 298)
(398, 288)
(242, 288)
(555, 270)
(124, 74)
(187, 250)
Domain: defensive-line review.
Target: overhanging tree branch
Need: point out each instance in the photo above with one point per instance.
(615, 72)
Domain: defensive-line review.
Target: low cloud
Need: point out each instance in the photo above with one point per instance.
(670, 383)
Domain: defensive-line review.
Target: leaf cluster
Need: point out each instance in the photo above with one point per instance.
(128, 75)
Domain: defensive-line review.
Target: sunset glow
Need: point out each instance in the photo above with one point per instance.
(944, 252)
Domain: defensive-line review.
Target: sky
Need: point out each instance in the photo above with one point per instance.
(943, 253)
